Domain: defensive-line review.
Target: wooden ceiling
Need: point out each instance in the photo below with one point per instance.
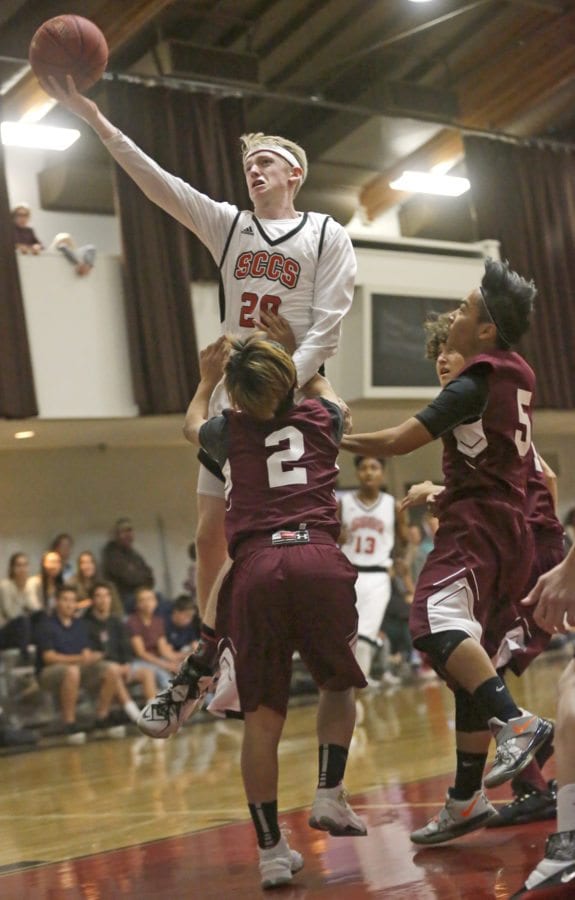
(369, 88)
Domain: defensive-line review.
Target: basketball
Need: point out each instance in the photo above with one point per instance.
(69, 45)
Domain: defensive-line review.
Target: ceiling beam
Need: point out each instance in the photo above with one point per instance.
(118, 22)
(492, 100)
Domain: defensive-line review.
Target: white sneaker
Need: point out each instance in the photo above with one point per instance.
(456, 818)
(518, 740)
(390, 679)
(331, 812)
(76, 737)
(279, 864)
(557, 866)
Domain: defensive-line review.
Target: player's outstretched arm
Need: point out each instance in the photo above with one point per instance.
(81, 106)
(397, 441)
(421, 494)
(554, 596)
(212, 361)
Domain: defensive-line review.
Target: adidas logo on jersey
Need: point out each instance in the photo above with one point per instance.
(247, 230)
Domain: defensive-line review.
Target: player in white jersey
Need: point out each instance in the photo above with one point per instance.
(371, 522)
(275, 263)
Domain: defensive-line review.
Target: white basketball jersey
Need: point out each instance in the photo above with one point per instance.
(370, 530)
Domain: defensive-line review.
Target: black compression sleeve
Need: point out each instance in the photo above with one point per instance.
(462, 400)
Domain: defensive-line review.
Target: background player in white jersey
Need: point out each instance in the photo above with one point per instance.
(371, 522)
(273, 260)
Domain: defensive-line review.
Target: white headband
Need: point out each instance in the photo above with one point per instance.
(279, 151)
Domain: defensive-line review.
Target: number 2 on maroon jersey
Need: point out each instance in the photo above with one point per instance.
(249, 300)
(277, 475)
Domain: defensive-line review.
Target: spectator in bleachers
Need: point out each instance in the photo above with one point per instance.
(25, 238)
(396, 619)
(569, 525)
(124, 566)
(189, 584)
(109, 634)
(182, 623)
(86, 576)
(66, 661)
(48, 580)
(64, 544)
(18, 601)
(82, 258)
(148, 637)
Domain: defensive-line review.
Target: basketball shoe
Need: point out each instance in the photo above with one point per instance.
(517, 740)
(529, 805)
(456, 818)
(332, 813)
(556, 869)
(170, 708)
(279, 864)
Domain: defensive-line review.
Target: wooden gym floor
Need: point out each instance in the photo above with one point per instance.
(142, 819)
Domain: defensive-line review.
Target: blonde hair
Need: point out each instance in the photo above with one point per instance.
(436, 332)
(255, 139)
(20, 207)
(260, 377)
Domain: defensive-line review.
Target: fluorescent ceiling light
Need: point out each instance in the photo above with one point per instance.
(23, 435)
(428, 183)
(41, 137)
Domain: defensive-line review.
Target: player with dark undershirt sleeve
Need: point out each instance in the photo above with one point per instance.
(484, 420)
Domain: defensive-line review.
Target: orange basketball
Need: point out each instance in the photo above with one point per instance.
(69, 45)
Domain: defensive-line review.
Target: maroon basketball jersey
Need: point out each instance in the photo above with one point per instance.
(540, 509)
(280, 473)
(493, 453)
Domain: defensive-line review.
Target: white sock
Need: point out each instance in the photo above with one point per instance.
(131, 709)
(566, 808)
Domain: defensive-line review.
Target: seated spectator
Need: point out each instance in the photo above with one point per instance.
(110, 635)
(25, 239)
(64, 544)
(17, 601)
(82, 258)
(396, 619)
(189, 584)
(182, 623)
(49, 579)
(569, 526)
(66, 661)
(122, 565)
(86, 576)
(148, 638)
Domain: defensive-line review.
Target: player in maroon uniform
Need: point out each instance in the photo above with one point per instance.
(290, 588)
(484, 419)
(514, 638)
(554, 599)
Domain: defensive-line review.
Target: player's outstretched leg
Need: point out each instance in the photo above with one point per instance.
(335, 723)
(517, 740)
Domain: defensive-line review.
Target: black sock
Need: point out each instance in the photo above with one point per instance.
(469, 774)
(332, 762)
(493, 699)
(265, 819)
(205, 656)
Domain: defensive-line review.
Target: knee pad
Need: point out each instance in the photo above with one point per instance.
(468, 717)
(440, 646)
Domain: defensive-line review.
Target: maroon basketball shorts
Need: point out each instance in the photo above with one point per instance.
(514, 639)
(278, 600)
(480, 563)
